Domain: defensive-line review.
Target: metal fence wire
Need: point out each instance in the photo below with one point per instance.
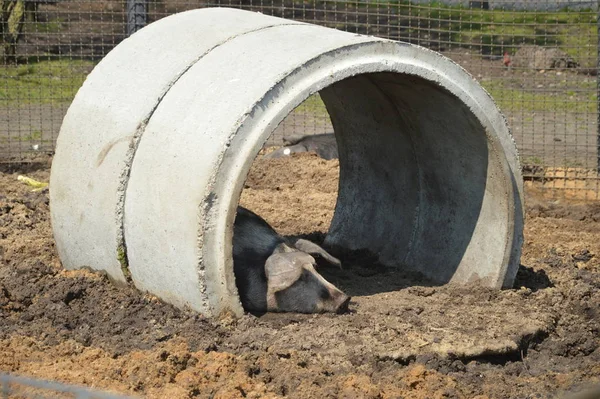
(538, 59)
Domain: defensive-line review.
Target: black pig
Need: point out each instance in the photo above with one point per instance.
(276, 275)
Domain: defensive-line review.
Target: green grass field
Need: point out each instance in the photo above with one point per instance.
(43, 82)
(494, 31)
(513, 100)
(485, 31)
(508, 99)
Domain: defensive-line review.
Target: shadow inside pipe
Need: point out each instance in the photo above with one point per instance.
(414, 186)
(422, 191)
(362, 274)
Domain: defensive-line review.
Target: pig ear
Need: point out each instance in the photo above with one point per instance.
(313, 249)
(282, 270)
(283, 248)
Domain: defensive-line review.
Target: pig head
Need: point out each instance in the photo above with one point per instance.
(293, 284)
(277, 274)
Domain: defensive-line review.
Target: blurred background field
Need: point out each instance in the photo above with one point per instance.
(538, 59)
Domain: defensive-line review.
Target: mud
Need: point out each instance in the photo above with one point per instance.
(404, 337)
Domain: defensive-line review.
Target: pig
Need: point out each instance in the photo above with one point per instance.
(274, 274)
(324, 145)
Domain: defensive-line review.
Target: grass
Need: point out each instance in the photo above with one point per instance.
(43, 82)
(580, 42)
(494, 31)
(533, 160)
(489, 31)
(42, 27)
(36, 135)
(518, 100)
(508, 99)
(312, 105)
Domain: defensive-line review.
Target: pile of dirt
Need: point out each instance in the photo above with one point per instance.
(538, 57)
(403, 337)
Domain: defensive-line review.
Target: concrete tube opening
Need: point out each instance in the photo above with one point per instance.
(413, 176)
(154, 151)
(414, 164)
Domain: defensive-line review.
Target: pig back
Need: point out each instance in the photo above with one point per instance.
(254, 240)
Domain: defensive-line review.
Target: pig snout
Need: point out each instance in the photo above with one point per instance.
(337, 303)
(343, 304)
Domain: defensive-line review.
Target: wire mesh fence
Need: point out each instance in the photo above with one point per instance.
(538, 59)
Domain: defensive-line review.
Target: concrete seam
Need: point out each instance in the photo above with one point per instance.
(133, 146)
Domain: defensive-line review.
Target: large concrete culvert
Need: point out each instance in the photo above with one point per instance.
(154, 151)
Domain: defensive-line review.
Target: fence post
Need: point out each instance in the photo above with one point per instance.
(136, 15)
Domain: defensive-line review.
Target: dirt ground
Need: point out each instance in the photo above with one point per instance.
(402, 339)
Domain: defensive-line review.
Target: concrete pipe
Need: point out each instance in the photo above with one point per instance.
(154, 151)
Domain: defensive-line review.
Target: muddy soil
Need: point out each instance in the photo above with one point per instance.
(404, 337)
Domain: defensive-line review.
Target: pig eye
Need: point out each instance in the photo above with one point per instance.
(304, 276)
(324, 293)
